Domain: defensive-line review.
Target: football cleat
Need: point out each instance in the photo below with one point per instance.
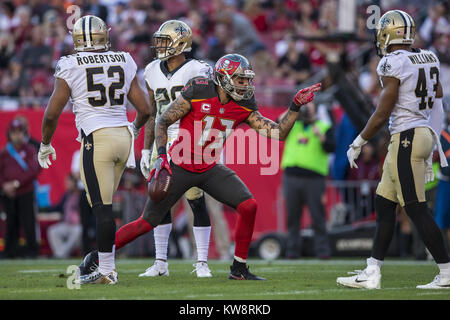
(110, 278)
(202, 270)
(439, 282)
(89, 264)
(369, 278)
(159, 268)
(241, 271)
(89, 278)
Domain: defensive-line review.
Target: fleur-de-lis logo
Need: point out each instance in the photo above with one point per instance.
(88, 146)
(181, 30)
(385, 67)
(384, 22)
(405, 143)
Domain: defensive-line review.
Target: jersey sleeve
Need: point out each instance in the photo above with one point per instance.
(188, 90)
(63, 70)
(392, 66)
(147, 75)
(132, 67)
(205, 70)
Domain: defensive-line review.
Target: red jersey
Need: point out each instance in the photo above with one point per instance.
(204, 129)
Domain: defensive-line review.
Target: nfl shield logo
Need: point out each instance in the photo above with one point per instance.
(221, 110)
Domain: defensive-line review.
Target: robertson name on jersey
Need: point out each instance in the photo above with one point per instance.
(99, 83)
(418, 72)
(167, 85)
(205, 128)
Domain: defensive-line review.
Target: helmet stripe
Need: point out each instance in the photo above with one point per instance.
(90, 29)
(406, 23)
(82, 28)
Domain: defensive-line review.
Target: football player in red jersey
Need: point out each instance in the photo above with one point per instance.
(222, 104)
(206, 106)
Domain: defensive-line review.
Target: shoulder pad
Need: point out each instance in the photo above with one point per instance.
(199, 88)
(248, 104)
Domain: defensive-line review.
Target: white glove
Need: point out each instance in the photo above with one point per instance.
(45, 150)
(354, 150)
(145, 162)
(429, 173)
(135, 130)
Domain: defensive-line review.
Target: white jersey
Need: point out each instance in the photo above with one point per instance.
(166, 85)
(418, 73)
(99, 83)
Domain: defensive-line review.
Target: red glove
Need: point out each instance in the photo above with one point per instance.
(306, 95)
(161, 162)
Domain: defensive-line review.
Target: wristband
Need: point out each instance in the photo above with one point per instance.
(294, 107)
(359, 141)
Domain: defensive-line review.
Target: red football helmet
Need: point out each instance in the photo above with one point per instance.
(228, 69)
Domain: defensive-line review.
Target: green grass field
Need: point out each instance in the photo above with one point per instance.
(287, 280)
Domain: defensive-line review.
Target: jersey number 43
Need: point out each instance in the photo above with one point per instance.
(421, 87)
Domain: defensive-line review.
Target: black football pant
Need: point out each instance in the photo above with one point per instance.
(220, 182)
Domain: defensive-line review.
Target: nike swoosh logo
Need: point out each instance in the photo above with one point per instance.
(161, 274)
(356, 280)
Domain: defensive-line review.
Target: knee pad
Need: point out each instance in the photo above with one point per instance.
(385, 209)
(152, 217)
(194, 193)
(201, 216)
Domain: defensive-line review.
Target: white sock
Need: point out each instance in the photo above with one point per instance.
(444, 268)
(161, 234)
(374, 262)
(240, 259)
(201, 235)
(106, 263)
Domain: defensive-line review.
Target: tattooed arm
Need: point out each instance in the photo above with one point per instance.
(285, 123)
(149, 137)
(271, 129)
(177, 110)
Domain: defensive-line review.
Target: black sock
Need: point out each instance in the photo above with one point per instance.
(106, 227)
(385, 210)
(428, 230)
(237, 264)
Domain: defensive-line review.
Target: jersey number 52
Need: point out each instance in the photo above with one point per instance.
(92, 86)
